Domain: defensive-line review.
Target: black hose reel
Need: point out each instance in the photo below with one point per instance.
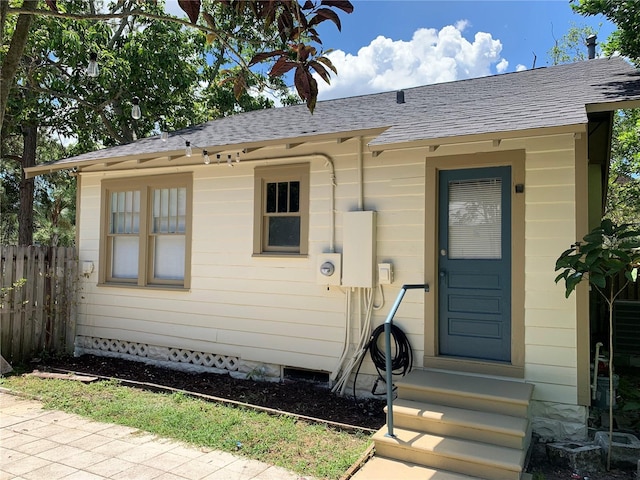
(401, 362)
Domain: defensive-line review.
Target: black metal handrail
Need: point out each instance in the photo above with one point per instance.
(387, 339)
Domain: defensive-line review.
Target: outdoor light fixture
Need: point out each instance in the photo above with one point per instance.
(205, 157)
(229, 160)
(92, 68)
(218, 158)
(164, 136)
(237, 157)
(187, 148)
(135, 109)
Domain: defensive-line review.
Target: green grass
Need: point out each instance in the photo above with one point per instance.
(303, 447)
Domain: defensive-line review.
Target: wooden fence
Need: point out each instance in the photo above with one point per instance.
(37, 301)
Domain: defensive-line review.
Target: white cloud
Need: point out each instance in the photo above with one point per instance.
(520, 68)
(502, 66)
(431, 56)
(461, 25)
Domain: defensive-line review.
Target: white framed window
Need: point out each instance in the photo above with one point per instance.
(281, 210)
(146, 227)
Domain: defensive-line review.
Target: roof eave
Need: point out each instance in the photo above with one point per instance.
(172, 155)
(434, 143)
(612, 106)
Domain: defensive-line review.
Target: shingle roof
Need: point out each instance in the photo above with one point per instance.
(543, 97)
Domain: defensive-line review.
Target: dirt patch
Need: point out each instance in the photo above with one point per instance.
(301, 398)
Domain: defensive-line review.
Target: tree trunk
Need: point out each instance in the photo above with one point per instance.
(14, 54)
(27, 186)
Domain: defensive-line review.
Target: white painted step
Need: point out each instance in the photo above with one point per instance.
(497, 429)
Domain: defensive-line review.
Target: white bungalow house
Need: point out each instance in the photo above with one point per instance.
(279, 264)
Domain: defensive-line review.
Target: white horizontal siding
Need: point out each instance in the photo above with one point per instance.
(550, 319)
(272, 310)
(265, 309)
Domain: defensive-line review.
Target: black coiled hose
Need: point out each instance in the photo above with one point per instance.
(401, 362)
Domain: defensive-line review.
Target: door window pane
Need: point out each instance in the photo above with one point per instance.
(475, 219)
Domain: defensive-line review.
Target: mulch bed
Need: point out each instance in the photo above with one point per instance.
(300, 398)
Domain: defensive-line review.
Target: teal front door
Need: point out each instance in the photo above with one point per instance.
(474, 263)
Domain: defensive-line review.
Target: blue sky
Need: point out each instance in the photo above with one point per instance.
(522, 26)
(390, 44)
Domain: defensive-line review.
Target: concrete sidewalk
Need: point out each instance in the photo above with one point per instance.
(47, 444)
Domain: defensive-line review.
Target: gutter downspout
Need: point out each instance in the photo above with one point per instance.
(360, 176)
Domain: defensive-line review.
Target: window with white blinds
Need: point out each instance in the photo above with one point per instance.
(124, 234)
(146, 230)
(475, 214)
(168, 232)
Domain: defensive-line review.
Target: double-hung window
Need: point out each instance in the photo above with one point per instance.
(281, 217)
(146, 231)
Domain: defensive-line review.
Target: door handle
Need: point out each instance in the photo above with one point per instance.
(443, 275)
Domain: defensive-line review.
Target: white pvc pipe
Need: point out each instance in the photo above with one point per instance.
(360, 176)
(347, 337)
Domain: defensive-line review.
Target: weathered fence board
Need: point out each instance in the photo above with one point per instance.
(38, 301)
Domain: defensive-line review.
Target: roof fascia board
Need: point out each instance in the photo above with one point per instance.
(31, 172)
(143, 158)
(612, 106)
(435, 143)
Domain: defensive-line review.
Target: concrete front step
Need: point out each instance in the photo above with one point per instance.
(493, 428)
(451, 454)
(465, 391)
(380, 468)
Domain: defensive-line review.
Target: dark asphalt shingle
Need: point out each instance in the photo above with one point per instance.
(543, 97)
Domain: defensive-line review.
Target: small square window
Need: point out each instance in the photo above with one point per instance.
(281, 209)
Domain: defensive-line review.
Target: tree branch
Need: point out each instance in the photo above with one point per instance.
(110, 16)
(98, 109)
(118, 33)
(3, 19)
(16, 48)
(109, 126)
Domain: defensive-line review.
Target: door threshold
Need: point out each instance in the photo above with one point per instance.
(484, 368)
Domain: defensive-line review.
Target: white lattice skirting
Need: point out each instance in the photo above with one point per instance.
(171, 357)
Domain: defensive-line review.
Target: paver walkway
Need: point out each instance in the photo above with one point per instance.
(43, 444)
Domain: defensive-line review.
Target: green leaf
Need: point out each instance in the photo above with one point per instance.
(598, 279)
(571, 282)
(607, 226)
(592, 256)
(594, 237)
(589, 247)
